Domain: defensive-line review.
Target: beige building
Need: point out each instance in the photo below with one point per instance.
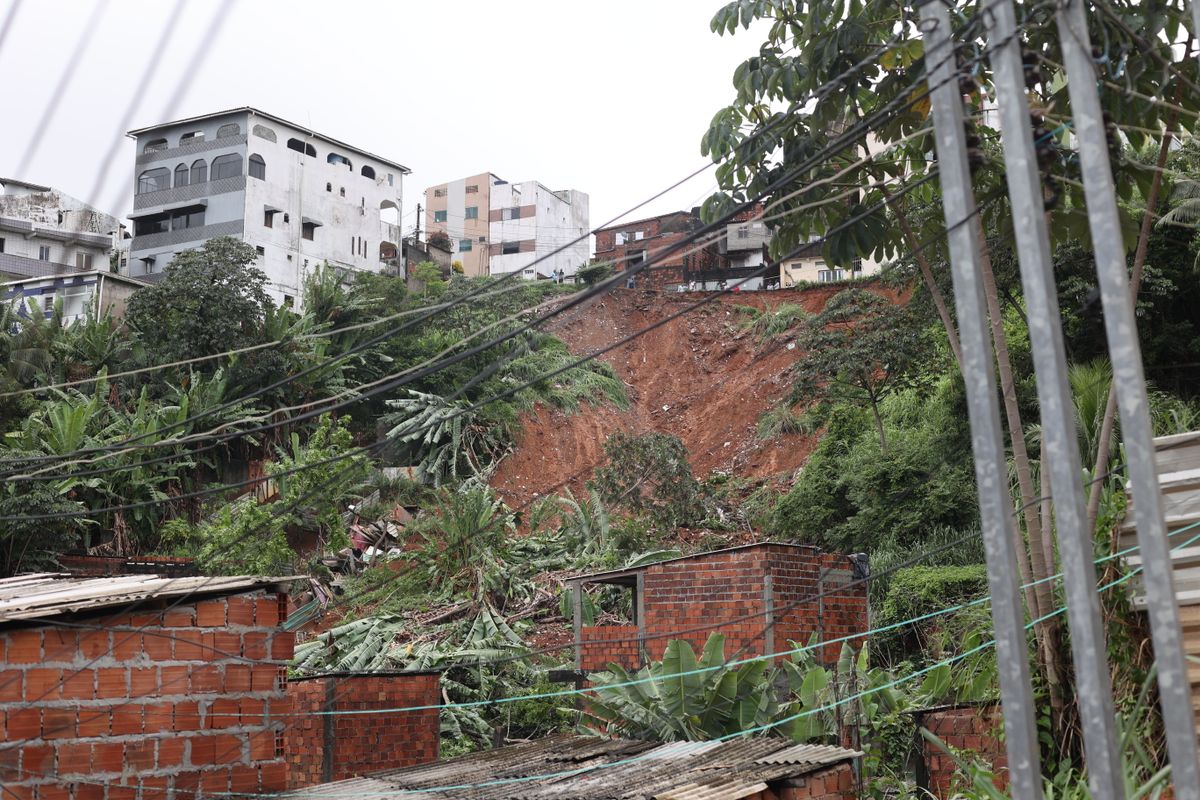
(497, 227)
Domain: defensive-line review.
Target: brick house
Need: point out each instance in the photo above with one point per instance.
(330, 738)
(591, 768)
(759, 596)
(140, 686)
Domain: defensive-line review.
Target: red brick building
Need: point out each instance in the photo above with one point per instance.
(973, 729)
(328, 741)
(760, 596)
(178, 695)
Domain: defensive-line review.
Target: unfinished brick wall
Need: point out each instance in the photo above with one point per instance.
(798, 576)
(974, 730)
(183, 706)
(599, 650)
(325, 747)
(832, 783)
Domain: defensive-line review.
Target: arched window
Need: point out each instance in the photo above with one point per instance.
(334, 158)
(199, 171)
(258, 167)
(226, 166)
(368, 172)
(152, 180)
(191, 138)
(302, 147)
(263, 132)
(154, 145)
(181, 175)
(228, 129)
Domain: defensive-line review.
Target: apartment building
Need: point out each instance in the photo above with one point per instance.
(497, 227)
(809, 266)
(300, 197)
(45, 232)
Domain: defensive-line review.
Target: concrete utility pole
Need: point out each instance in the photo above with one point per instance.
(991, 466)
(417, 232)
(1060, 444)
(1129, 383)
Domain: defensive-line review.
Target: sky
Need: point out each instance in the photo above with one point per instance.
(611, 99)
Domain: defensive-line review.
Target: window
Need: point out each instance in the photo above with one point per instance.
(83, 261)
(187, 218)
(289, 301)
(508, 248)
(342, 191)
(368, 172)
(329, 187)
(635, 258)
(228, 129)
(620, 238)
(48, 302)
(262, 251)
(1, 244)
(309, 230)
(512, 213)
(153, 180)
(639, 235)
(335, 158)
(191, 138)
(258, 167)
(302, 147)
(473, 188)
(44, 252)
(178, 220)
(439, 216)
(181, 175)
(391, 179)
(154, 145)
(472, 212)
(829, 275)
(263, 132)
(439, 192)
(286, 220)
(148, 226)
(199, 171)
(743, 232)
(226, 166)
(269, 217)
(464, 245)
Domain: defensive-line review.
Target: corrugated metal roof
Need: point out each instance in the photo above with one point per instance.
(592, 768)
(49, 594)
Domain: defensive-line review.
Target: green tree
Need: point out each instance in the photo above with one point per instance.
(594, 273)
(210, 300)
(649, 474)
(860, 349)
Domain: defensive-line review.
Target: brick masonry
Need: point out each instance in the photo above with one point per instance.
(114, 713)
(330, 747)
(727, 585)
(832, 783)
(974, 730)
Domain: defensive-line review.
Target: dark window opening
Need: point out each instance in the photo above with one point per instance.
(286, 219)
(439, 216)
(329, 187)
(153, 180)
(182, 175)
(308, 230)
(178, 220)
(269, 218)
(512, 213)
(226, 166)
(368, 172)
(288, 301)
(83, 261)
(155, 145)
(258, 248)
(44, 253)
(342, 191)
(464, 245)
(334, 158)
(191, 138)
(1, 244)
(302, 147)
(508, 248)
(472, 212)
(258, 167)
(473, 188)
(199, 171)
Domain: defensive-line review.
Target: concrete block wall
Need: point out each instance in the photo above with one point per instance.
(111, 713)
(973, 730)
(325, 747)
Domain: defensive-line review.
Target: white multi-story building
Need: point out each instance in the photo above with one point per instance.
(44, 232)
(301, 198)
(497, 227)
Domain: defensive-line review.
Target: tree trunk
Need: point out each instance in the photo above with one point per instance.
(935, 292)
(883, 445)
(1103, 450)
(1031, 560)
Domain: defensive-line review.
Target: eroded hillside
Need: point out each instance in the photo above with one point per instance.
(698, 377)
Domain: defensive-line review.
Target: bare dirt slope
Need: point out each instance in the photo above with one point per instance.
(697, 377)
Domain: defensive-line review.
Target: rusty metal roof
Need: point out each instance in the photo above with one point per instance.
(49, 594)
(591, 768)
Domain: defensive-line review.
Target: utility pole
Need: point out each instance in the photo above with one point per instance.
(1059, 438)
(991, 466)
(417, 232)
(1129, 384)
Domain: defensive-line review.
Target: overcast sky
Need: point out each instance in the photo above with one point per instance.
(610, 98)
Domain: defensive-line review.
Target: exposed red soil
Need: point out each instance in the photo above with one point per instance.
(697, 377)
